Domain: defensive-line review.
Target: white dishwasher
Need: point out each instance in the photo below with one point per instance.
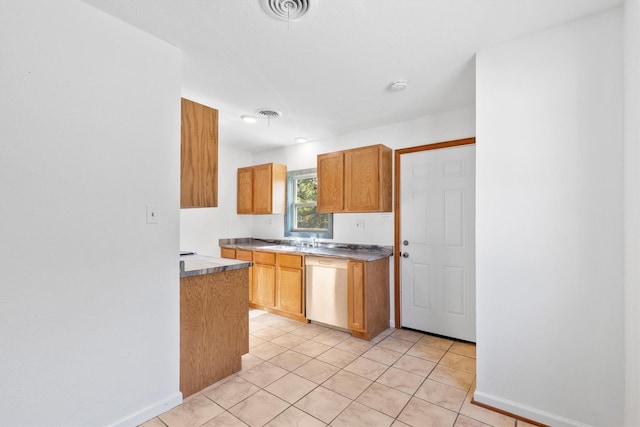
(326, 292)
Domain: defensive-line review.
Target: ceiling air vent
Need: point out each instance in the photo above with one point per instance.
(286, 10)
(269, 115)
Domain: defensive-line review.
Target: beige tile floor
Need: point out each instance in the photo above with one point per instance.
(310, 375)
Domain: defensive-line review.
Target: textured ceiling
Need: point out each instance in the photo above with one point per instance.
(329, 72)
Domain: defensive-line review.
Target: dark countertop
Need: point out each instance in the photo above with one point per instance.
(197, 265)
(334, 250)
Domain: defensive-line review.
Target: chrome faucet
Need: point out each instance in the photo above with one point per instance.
(314, 242)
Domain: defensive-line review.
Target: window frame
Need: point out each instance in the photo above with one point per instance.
(290, 217)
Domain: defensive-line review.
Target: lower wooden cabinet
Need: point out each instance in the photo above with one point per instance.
(244, 255)
(290, 275)
(214, 328)
(276, 281)
(264, 278)
(368, 297)
(356, 296)
(277, 285)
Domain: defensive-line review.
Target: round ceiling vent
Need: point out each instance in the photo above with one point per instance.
(269, 114)
(286, 10)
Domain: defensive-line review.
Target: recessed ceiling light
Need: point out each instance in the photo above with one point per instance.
(249, 119)
(301, 139)
(398, 85)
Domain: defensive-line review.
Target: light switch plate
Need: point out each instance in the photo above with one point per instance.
(359, 224)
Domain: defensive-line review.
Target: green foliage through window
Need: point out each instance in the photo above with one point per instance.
(306, 189)
(302, 220)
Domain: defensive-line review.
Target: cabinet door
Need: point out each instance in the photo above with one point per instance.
(245, 190)
(262, 179)
(362, 180)
(198, 155)
(356, 295)
(291, 290)
(264, 291)
(330, 182)
(246, 255)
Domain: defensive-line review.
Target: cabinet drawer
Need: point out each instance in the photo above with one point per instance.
(293, 261)
(227, 253)
(244, 255)
(268, 258)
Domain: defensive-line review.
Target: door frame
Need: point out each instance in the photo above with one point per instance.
(396, 205)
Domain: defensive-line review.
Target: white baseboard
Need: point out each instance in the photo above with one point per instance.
(525, 411)
(150, 412)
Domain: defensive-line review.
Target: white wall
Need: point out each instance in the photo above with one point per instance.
(550, 224)
(632, 210)
(89, 293)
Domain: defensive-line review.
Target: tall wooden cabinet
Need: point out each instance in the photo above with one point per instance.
(198, 155)
(262, 189)
(356, 180)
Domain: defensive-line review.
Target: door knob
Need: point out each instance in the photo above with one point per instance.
(406, 243)
(405, 255)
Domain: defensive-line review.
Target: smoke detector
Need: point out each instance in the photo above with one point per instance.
(398, 85)
(287, 10)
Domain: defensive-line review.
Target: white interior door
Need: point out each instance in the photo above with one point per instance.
(437, 238)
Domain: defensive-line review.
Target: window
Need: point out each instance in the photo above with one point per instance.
(301, 219)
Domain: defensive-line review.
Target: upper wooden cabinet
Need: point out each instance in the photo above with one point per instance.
(356, 180)
(330, 182)
(198, 156)
(262, 189)
(245, 190)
